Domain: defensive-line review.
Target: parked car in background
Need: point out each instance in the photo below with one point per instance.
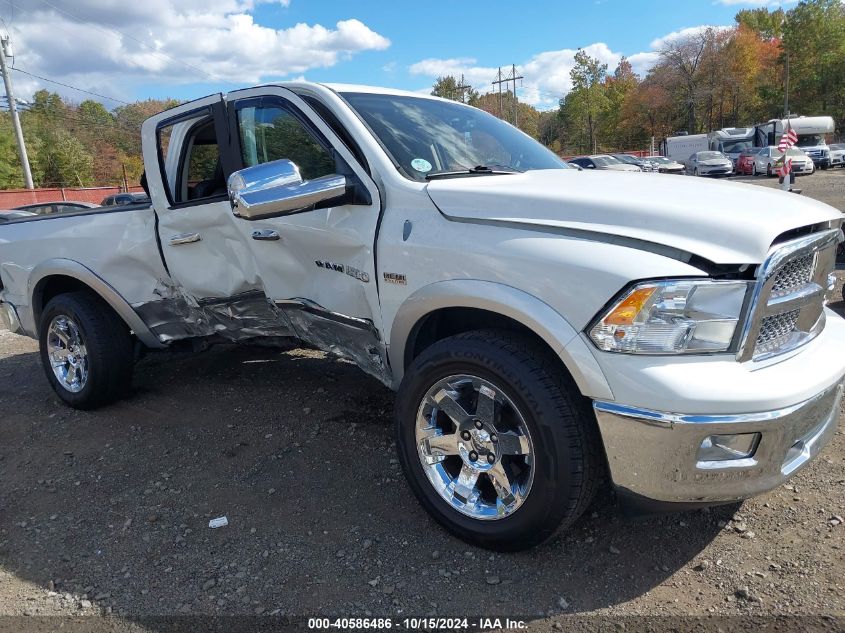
(604, 162)
(745, 162)
(574, 165)
(766, 158)
(9, 216)
(62, 206)
(837, 155)
(644, 164)
(119, 199)
(667, 165)
(709, 164)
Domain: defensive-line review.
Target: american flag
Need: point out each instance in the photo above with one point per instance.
(788, 139)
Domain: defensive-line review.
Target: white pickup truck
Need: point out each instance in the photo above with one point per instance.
(547, 330)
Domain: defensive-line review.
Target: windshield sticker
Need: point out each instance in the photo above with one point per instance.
(421, 165)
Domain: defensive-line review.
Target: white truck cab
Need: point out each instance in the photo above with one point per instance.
(811, 131)
(732, 141)
(543, 326)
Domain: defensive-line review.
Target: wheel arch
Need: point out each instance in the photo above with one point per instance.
(56, 276)
(484, 304)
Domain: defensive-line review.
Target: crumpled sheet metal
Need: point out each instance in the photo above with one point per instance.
(177, 315)
(355, 339)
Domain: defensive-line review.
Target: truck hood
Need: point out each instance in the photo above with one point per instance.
(724, 222)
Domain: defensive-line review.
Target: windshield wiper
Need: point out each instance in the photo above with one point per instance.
(478, 170)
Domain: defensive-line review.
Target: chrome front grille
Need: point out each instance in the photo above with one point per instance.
(775, 331)
(787, 307)
(794, 274)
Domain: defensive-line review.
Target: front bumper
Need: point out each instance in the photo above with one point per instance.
(655, 455)
(715, 171)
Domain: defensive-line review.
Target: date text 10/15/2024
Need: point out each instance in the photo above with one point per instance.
(415, 624)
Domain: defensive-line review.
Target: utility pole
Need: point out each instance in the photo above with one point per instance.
(13, 109)
(786, 89)
(462, 88)
(499, 81)
(515, 102)
(506, 80)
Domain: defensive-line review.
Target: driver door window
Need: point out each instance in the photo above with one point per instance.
(197, 172)
(271, 133)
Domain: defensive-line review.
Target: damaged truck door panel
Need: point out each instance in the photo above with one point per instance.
(546, 329)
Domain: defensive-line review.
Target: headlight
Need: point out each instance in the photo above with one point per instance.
(681, 316)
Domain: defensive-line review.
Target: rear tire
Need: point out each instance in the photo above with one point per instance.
(86, 350)
(558, 454)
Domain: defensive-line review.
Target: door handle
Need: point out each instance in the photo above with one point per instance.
(184, 238)
(267, 235)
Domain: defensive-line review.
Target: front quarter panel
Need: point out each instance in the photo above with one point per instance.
(566, 278)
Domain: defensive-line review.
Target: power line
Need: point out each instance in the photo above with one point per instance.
(510, 78)
(59, 83)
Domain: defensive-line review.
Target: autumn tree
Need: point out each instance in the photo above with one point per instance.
(618, 88)
(587, 100)
(814, 39)
(764, 23)
(685, 55)
(448, 87)
(510, 109)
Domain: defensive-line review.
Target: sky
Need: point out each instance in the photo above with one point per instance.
(127, 50)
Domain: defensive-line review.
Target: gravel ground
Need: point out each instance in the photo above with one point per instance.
(107, 512)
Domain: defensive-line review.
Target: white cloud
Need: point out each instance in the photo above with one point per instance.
(547, 73)
(686, 32)
(110, 45)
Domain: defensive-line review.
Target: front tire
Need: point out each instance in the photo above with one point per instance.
(754, 169)
(495, 440)
(86, 350)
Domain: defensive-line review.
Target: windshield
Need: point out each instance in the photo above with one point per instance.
(659, 159)
(709, 155)
(736, 146)
(425, 136)
(624, 158)
(808, 140)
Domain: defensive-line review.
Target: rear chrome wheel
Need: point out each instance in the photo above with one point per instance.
(86, 350)
(475, 447)
(68, 354)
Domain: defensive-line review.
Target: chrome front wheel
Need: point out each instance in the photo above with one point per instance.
(475, 447)
(67, 353)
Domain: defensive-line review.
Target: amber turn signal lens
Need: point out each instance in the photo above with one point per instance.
(626, 311)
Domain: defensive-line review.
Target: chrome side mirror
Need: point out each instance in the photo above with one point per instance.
(277, 188)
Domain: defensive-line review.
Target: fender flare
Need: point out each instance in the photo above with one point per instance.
(508, 301)
(70, 268)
